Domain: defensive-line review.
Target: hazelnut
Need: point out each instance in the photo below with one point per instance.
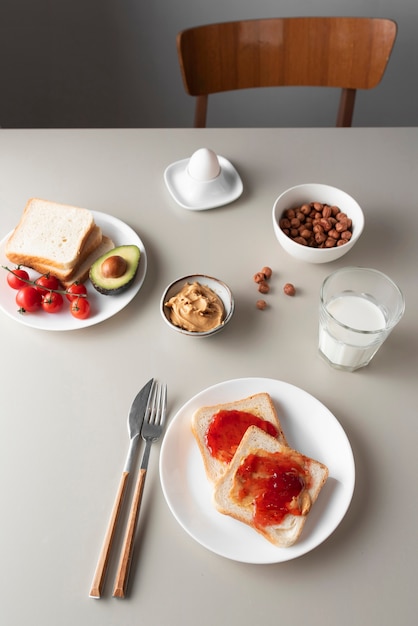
(263, 287)
(267, 271)
(259, 277)
(114, 266)
(261, 304)
(326, 211)
(289, 289)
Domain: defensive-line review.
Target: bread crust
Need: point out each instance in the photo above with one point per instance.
(43, 222)
(288, 532)
(259, 404)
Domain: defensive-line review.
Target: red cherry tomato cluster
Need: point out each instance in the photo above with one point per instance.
(47, 293)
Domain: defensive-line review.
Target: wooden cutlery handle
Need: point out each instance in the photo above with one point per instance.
(128, 544)
(99, 575)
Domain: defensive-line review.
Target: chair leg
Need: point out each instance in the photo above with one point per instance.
(200, 111)
(346, 108)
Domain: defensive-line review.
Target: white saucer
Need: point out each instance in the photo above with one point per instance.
(199, 196)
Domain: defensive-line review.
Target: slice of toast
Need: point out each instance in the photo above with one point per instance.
(50, 233)
(243, 500)
(260, 405)
(94, 240)
(81, 271)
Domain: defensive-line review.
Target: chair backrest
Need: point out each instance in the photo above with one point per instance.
(346, 52)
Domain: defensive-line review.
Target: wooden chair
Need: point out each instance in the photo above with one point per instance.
(346, 52)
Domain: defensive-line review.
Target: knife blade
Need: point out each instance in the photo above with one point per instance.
(135, 419)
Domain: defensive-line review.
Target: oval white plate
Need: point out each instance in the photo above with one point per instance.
(309, 427)
(102, 307)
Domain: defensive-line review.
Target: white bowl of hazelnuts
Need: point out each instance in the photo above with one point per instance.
(317, 223)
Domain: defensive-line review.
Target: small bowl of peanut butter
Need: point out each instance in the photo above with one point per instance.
(197, 305)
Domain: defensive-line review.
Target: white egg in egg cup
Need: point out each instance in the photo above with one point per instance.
(205, 181)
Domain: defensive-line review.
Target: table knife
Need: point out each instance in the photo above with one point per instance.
(135, 419)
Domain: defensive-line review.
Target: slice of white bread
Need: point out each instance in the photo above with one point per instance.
(81, 271)
(50, 233)
(288, 531)
(260, 405)
(93, 241)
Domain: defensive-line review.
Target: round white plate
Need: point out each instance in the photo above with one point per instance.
(102, 307)
(199, 196)
(308, 426)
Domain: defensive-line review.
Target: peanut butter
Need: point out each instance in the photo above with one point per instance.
(196, 308)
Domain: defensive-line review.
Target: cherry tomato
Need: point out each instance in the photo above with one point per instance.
(80, 308)
(13, 278)
(75, 290)
(47, 282)
(52, 302)
(28, 299)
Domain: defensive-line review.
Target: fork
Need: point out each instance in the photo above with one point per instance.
(151, 431)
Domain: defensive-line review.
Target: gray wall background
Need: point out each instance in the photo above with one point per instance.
(113, 63)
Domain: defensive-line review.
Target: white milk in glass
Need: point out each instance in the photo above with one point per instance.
(354, 344)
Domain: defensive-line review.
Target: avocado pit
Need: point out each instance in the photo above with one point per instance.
(115, 270)
(114, 266)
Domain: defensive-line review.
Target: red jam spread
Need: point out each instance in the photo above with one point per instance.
(273, 483)
(226, 430)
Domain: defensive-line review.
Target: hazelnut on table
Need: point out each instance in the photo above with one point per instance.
(289, 289)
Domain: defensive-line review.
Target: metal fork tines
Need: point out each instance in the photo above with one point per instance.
(151, 431)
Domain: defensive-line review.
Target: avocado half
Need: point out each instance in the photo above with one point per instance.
(111, 286)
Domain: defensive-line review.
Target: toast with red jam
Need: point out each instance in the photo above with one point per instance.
(218, 429)
(270, 487)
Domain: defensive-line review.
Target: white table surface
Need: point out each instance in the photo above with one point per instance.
(65, 396)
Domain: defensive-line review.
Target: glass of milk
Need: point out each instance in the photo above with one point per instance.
(358, 309)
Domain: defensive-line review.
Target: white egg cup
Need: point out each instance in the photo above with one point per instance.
(205, 181)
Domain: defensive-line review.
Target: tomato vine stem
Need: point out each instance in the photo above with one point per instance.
(63, 292)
